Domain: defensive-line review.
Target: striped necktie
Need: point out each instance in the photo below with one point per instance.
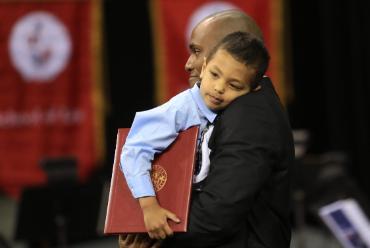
(202, 165)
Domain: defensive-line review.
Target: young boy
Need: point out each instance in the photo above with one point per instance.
(233, 68)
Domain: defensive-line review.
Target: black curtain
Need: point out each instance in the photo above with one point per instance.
(128, 67)
(331, 42)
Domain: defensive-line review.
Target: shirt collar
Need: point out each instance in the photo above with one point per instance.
(208, 113)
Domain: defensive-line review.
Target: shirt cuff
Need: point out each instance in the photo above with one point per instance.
(143, 186)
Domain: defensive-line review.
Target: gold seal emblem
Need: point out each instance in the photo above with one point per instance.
(159, 177)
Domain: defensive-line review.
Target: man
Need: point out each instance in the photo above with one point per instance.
(244, 201)
(210, 31)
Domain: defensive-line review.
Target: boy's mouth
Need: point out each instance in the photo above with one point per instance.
(215, 100)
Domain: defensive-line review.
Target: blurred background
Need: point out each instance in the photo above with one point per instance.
(73, 72)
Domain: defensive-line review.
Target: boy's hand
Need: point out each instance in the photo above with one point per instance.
(155, 218)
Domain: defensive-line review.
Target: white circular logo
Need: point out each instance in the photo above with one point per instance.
(39, 46)
(204, 11)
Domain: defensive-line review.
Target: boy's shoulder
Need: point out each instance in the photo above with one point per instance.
(181, 98)
(181, 101)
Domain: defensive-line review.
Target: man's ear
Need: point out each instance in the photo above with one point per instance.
(203, 67)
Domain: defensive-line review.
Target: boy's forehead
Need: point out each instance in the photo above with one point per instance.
(231, 67)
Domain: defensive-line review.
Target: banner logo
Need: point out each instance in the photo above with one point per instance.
(39, 46)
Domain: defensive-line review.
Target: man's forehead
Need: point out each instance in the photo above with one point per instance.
(208, 25)
(205, 34)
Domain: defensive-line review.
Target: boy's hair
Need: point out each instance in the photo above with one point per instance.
(247, 49)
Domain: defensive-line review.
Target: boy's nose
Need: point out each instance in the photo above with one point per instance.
(220, 86)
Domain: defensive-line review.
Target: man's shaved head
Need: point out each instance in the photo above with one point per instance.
(208, 32)
(230, 21)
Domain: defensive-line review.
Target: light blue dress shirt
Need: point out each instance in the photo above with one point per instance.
(152, 131)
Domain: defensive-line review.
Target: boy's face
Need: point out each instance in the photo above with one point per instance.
(224, 79)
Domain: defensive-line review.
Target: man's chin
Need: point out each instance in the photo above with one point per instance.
(193, 80)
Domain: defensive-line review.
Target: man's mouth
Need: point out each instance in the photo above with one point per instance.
(193, 79)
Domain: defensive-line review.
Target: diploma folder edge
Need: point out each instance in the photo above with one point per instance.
(124, 215)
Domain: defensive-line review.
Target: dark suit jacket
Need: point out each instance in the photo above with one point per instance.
(245, 199)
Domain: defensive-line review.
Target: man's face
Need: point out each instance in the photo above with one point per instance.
(224, 79)
(203, 38)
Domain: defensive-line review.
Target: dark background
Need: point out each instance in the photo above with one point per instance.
(329, 46)
(330, 69)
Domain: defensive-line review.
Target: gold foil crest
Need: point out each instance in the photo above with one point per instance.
(159, 177)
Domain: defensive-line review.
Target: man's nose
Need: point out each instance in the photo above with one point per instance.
(189, 64)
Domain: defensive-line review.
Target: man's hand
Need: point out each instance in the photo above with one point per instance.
(155, 218)
(257, 88)
(140, 240)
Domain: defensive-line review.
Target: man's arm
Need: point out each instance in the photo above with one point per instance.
(240, 164)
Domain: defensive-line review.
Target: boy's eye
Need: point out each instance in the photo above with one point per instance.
(236, 86)
(214, 74)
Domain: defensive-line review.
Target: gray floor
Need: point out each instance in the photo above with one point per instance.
(307, 238)
(8, 216)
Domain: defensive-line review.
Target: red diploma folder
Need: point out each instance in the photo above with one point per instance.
(172, 173)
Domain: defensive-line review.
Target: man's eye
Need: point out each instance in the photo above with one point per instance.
(196, 51)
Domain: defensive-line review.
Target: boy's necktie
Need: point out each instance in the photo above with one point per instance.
(202, 163)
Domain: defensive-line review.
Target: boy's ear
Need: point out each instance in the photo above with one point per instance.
(203, 67)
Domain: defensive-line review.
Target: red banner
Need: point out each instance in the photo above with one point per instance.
(48, 95)
(172, 25)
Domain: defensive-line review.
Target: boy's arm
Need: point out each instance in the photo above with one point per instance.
(155, 218)
(152, 132)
